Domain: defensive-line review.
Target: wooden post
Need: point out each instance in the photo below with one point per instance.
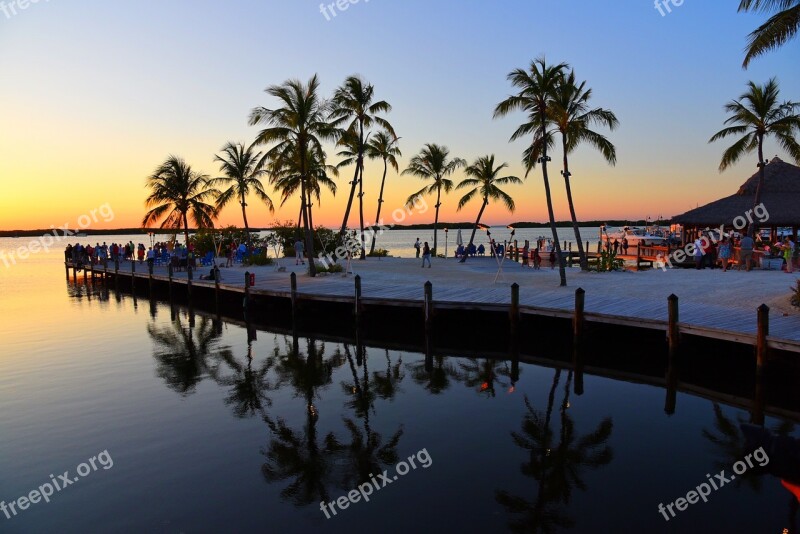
(761, 338)
(673, 328)
(577, 318)
(427, 306)
(246, 289)
(216, 289)
(599, 246)
(293, 280)
(190, 277)
(569, 255)
(169, 270)
(514, 311)
(357, 310)
(638, 256)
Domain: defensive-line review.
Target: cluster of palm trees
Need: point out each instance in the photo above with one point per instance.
(294, 162)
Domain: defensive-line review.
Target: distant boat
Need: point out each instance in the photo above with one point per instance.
(635, 236)
(82, 234)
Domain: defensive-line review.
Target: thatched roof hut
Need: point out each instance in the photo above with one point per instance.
(780, 196)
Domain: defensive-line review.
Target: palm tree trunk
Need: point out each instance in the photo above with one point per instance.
(581, 253)
(761, 178)
(380, 203)
(246, 226)
(186, 229)
(436, 220)
(561, 270)
(361, 206)
(309, 231)
(349, 203)
(475, 229)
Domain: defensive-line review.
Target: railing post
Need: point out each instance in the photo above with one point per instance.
(761, 338)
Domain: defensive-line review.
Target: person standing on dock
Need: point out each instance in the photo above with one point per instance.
(698, 253)
(625, 245)
(418, 247)
(746, 252)
(299, 251)
(426, 255)
(788, 253)
(725, 253)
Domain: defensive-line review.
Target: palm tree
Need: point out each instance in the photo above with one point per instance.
(432, 164)
(242, 170)
(178, 192)
(484, 180)
(383, 145)
(354, 103)
(778, 29)
(299, 125)
(573, 119)
(756, 115)
(536, 92)
(285, 175)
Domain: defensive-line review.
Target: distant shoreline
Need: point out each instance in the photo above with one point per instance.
(442, 226)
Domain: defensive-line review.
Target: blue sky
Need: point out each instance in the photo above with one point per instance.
(96, 94)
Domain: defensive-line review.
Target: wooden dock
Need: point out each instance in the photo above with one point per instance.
(404, 290)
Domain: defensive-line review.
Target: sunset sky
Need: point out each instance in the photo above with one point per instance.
(95, 94)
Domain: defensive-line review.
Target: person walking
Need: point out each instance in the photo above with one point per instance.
(417, 246)
(625, 245)
(725, 253)
(698, 252)
(788, 253)
(426, 255)
(746, 252)
(299, 252)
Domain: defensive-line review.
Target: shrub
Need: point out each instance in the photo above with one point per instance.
(379, 253)
(260, 258)
(332, 268)
(796, 294)
(609, 262)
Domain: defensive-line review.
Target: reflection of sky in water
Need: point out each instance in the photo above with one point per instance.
(205, 439)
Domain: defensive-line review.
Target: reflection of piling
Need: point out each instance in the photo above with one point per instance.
(246, 302)
(66, 267)
(133, 276)
(427, 307)
(216, 289)
(757, 414)
(116, 276)
(761, 338)
(150, 277)
(190, 277)
(169, 270)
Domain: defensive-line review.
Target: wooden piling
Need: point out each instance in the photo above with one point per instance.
(514, 310)
(190, 277)
(66, 267)
(357, 311)
(427, 306)
(569, 255)
(216, 290)
(578, 315)
(246, 290)
(293, 282)
(150, 277)
(169, 270)
(673, 327)
(761, 338)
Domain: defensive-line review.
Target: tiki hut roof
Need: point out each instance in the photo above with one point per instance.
(780, 196)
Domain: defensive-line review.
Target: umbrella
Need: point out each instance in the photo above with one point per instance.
(459, 239)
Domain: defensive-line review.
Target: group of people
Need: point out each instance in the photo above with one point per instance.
(618, 246)
(100, 254)
(707, 251)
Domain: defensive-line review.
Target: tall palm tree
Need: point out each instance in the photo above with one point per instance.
(300, 122)
(484, 180)
(777, 31)
(242, 168)
(178, 192)
(756, 115)
(354, 109)
(537, 88)
(574, 119)
(383, 145)
(433, 164)
(285, 175)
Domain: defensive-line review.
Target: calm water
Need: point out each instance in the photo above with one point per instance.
(211, 432)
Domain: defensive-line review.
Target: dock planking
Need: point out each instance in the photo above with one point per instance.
(704, 320)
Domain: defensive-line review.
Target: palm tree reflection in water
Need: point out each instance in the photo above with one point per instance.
(555, 466)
